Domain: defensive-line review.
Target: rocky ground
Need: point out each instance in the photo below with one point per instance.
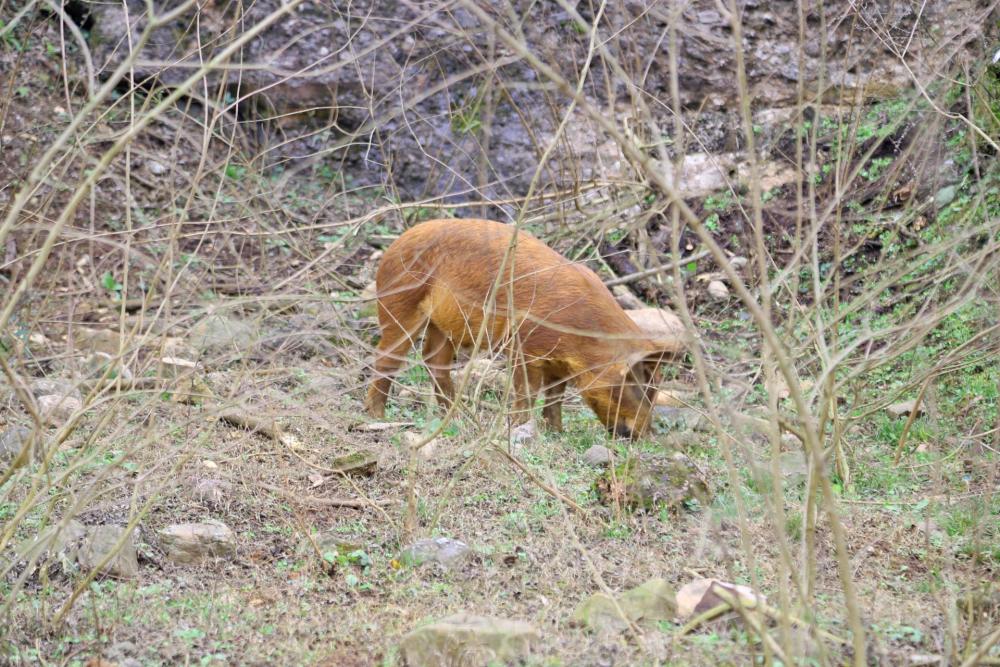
(188, 473)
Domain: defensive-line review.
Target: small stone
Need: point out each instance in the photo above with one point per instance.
(444, 551)
(903, 409)
(427, 451)
(794, 467)
(56, 410)
(683, 419)
(523, 434)
(12, 442)
(945, 196)
(701, 595)
(99, 542)
(485, 374)
(220, 333)
(718, 290)
(195, 542)
(598, 455)
(790, 442)
(466, 639)
(177, 367)
(670, 399)
(362, 462)
(50, 387)
(211, 491)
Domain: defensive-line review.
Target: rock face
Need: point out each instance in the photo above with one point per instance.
(195, 542)
(303, 62)
(466, 640)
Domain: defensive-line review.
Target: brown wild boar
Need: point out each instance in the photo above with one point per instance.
(555, 320)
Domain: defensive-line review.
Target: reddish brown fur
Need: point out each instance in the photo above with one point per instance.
(565, 326)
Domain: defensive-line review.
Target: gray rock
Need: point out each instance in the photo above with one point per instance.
(648, 481)
(444, 551)
(211, 491)
(97, 364)
(56, 410)
(195, 542)
(12, 442)
(468, 640)
(362, 462)
(718, 290)
(654, 600)
(54, 542)
(221, 333)
(903, 409)
(794, 467)
(155, 168)
(523, 434)
(682, 419)
(598, 455)
(945, 196)
(55, 387)
(99, 542)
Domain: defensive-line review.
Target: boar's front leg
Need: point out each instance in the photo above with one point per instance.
(527, 382)
(552, 412)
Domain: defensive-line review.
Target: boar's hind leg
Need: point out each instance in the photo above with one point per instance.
(439, 354)
(552, 412)
(389, 356)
